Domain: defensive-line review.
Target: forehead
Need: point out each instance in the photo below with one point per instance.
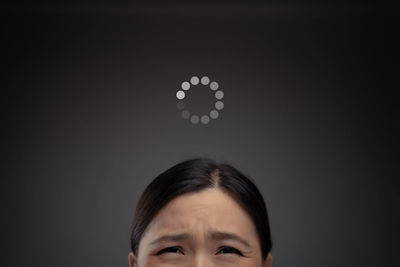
(199, 212)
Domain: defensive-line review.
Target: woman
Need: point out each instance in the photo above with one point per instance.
(201, 214)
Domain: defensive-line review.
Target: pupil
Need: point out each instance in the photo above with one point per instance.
(227, 250)
(174, 249)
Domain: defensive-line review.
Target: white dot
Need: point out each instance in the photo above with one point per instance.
(194, 80)
(205, 80)
(185, 86)
(185, 114)
(194, 119)
(214, 114)
(219, 94)
(219, 105)
(180, 94)
(205, 119)
(214, 86)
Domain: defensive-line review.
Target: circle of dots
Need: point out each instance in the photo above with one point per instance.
(219, 105)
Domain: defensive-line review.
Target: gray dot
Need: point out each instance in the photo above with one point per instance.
(180, 94)
(194, 80)
(214, 114)
(214, 86)
(219, 105)
(205, 80)
(185, 114)
(205, 119)
(219, 94)
(185, 86)
(180, 105)
(194, 119)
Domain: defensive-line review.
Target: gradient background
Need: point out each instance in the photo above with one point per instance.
(90, 118)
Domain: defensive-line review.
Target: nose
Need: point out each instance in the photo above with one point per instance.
(202, 260)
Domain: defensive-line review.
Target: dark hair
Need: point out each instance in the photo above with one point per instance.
(195, 175)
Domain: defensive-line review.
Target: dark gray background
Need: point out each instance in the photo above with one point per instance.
(90, 118)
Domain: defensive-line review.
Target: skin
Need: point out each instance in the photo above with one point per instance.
(202, 229)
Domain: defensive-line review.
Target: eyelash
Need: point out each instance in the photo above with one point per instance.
(170, 250)
(179, 250)
(233, 250)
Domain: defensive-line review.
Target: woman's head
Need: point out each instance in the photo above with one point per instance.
(199, 213)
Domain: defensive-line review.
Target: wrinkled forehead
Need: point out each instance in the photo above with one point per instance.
(199, 213)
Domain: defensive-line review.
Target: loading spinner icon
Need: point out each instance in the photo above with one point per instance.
(203, 118)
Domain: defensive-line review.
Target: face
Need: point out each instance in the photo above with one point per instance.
(202, 229)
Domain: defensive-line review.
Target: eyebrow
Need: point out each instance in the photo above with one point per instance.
(212, 235)
(218, 235)
(172, 237)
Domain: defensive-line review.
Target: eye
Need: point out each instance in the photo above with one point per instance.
(176, 250)
(229, 250)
